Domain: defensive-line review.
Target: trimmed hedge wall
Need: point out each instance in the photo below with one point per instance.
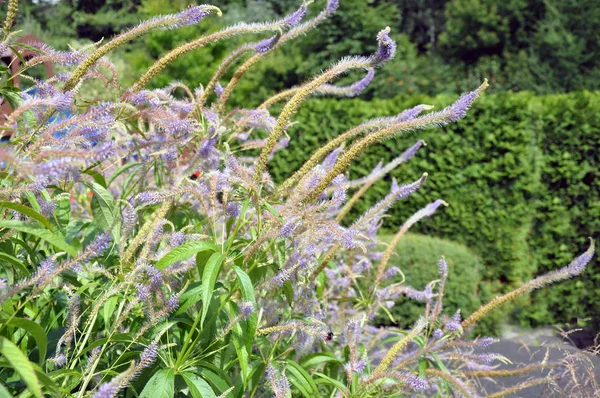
(520, 173)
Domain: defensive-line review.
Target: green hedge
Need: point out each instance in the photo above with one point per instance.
(418, 257)
(568, 209)
(519, 172)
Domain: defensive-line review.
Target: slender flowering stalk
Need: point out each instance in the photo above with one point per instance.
(453, 113)
(11, 14)
(239, 29)
(524, 385)
(191, 16)
(383, 171)
(363, 128)
(213, 83)
(443, 272)
(510, 372)
(457, 385)
(378, 173)
(427, 211)
(290, 35)
(399, 346)
(326, 89)
(576, 267)
(385, 52)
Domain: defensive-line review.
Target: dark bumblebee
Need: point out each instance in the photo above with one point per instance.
(329, 336)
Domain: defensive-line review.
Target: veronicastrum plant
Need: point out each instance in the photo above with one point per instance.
(146, 251)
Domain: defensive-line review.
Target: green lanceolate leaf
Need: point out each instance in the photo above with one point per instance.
(161, 385)
(14, 261)
(28, 211)
(199, 388)
(301, 379)
(40, 232)
(209, 277)
(21, 364)
(105, 210)
(36, 331)
(248, 295)
(240, 339)
(4, 392)
(189, 298)
(184, 252)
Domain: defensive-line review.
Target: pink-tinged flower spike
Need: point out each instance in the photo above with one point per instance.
(386, 48)
(190, 16)
(576, 267)
(427, 211)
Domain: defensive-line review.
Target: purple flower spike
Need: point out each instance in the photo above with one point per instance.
(332, 6)
(417, 383)
(412, 151)
(363, 83)
(412, 113)
(193, 15)
(266, 44)
(148, 356)
(459, 109)
(219, 89)
(246, 309)
(386, 48)
(99, 245)
(577, 266)
(295, 18)
(288, 229)
(173, 303)
(405, 190)
(437, 334)
(107, 390)
(443, 267)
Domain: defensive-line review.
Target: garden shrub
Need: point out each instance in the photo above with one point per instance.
(415, 254)
(568, 208)
(147, 251)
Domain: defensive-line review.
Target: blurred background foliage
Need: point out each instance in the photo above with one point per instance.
(521, 172)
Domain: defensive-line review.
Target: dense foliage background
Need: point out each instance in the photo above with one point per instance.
(520, 173)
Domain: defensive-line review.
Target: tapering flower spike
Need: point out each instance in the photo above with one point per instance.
(576, 267)
(386, 48)
(267, 44)
(326, 89)
(427, 211)
(190, 16)
(290, 35)
(239, 29)
(294, 103)
(362, 128)
(451, 114)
